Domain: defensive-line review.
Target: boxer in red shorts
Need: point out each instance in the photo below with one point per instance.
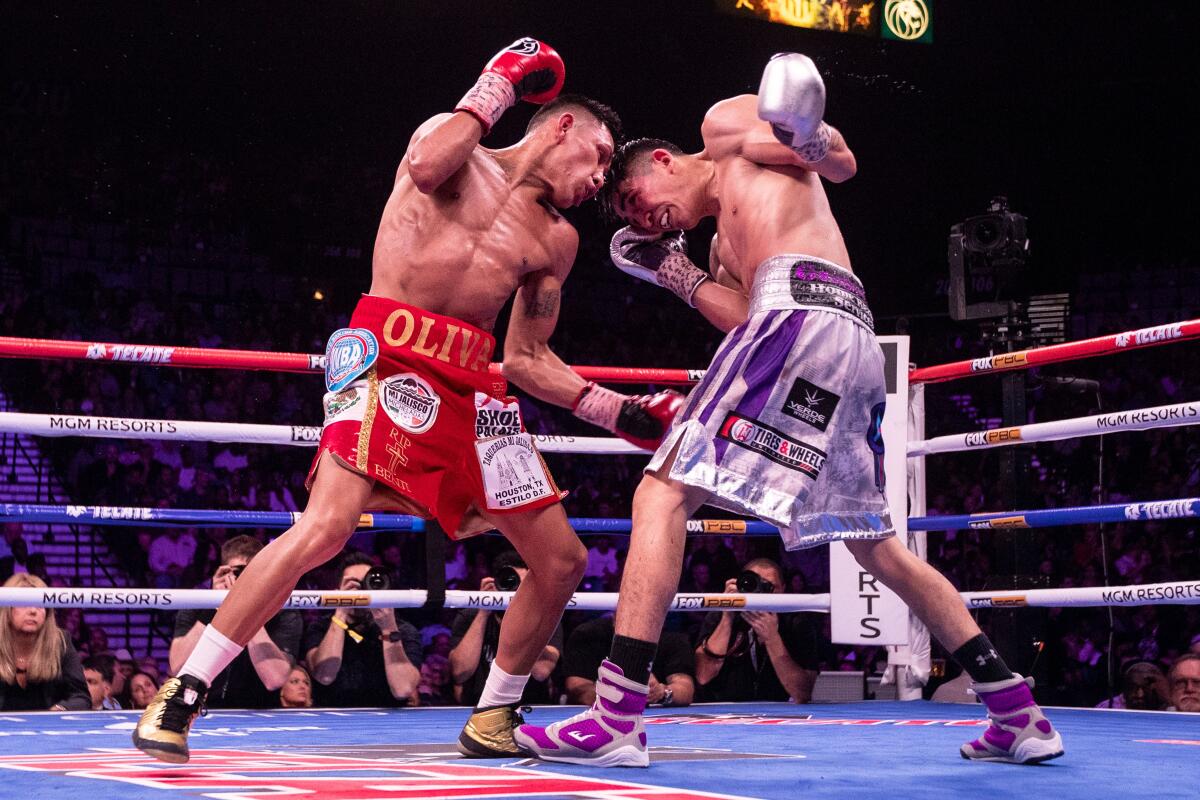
(414, 420)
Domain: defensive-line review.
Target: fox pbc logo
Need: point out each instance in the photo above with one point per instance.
(1159, 333)
(998, 436)
(1003, 361)
(998, 523)
(351, 601)
(695, 602)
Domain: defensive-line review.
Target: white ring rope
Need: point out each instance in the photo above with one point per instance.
(176, 599)
(1172, 592)
(1140, 419)
(244, 433)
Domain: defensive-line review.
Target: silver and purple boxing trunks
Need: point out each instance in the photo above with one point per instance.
(786, 425)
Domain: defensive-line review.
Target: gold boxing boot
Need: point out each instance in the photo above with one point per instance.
(163, 729)
(489, 733)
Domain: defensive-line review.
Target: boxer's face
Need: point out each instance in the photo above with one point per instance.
(575, 167)
(659, 196)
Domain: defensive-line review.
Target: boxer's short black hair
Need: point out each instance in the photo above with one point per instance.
(604, 113)
(629, 160)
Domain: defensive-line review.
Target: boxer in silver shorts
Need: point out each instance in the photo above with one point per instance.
(786, 423)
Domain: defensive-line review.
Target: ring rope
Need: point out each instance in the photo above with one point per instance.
(247, 433)
(1168, 593)
(1053, 354)
(134, 516)
(212, 357)
(176, 599)
(1138, 419)
(1044, 518)
(166, 355)
(143, 517)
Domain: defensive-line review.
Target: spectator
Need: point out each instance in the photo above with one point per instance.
(297, 690)
(263, 667)
(123, 668)
(602, 565)
(98, 672)
(757, 655)
(142, 688)
(672, 675)
(14, 550)
(437, 685)
(476, 635)
(1143, 688)
(39, 668)
(1184, 683)
(170, 555)
(378, 666)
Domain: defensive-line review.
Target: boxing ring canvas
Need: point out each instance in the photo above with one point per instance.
(760, 750)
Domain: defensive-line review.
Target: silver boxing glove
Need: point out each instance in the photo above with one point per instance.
(791, 97)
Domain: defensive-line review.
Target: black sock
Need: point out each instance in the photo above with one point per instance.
(633, 656)
(979, 658)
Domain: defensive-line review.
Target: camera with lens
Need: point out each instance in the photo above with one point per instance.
(507, 579)
(377, 579)
(988, 254)
(750, 582)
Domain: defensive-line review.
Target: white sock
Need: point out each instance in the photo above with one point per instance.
(501, 688)
(213, 653)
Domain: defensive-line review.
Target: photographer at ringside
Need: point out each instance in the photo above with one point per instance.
(262, 668)
(475, 635)
(757, 655)
(363, 657)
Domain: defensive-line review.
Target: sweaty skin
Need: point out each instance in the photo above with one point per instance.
(464, 228)
(768, 203)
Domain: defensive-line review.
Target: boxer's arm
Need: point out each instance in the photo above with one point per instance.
(528, 360)
(721, 300)
(733, 126)
(761, 147)
(439, 148)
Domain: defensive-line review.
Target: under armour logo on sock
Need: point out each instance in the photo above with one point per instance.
(983, 658)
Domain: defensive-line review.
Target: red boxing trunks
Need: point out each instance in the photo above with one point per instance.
(413, 406)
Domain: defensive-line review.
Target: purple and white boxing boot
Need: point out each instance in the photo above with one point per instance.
(609, 734)
(1020, 732)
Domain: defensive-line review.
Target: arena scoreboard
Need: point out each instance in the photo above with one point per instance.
(899, 20)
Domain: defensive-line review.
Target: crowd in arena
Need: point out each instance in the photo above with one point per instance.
(100, 265)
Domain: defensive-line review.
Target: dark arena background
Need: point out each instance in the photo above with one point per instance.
(183, 180)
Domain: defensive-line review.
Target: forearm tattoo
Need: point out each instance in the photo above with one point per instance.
(818, 146)
(544, 304)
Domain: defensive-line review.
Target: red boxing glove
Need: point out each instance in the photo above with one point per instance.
(525, 70)
(642, 419)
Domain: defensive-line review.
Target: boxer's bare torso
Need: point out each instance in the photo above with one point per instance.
(464, 249)
(766, 209)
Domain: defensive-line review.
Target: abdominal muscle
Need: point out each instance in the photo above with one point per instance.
(771, 211)
(458, 251)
